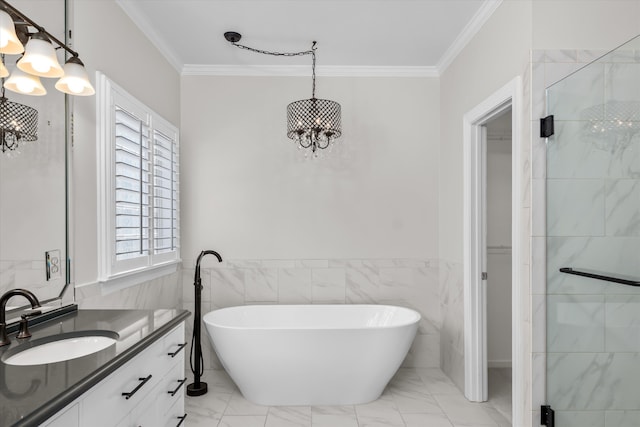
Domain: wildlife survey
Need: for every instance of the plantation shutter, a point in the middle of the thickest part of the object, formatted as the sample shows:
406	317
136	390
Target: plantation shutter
132	173
165	190
138	189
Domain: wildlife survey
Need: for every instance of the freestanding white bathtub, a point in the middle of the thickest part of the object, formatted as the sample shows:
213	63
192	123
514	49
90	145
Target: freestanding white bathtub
311	354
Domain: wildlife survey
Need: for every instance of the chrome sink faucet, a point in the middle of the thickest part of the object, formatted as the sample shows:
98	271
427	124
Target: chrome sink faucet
24	333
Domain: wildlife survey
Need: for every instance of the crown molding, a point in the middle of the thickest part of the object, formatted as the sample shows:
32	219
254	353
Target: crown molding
468	32
305	71
141	22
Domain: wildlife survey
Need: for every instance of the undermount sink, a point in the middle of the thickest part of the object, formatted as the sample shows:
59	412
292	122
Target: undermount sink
60	348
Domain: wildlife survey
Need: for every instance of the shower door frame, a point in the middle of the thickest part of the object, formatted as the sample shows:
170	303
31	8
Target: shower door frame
475	334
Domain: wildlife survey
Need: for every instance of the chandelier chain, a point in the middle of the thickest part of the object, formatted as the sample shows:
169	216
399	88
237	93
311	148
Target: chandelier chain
311	52
311	123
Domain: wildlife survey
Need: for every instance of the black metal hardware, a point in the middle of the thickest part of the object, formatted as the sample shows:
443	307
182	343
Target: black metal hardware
175	353
624	280
48	315
180	384
232	36
198	388
311	123
182	418
24	324
547	416
546	127
4	299
138	387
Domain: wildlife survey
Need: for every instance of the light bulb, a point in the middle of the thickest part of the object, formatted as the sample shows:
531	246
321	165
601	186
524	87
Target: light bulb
75	85
75	80
41	65
25	86
4	39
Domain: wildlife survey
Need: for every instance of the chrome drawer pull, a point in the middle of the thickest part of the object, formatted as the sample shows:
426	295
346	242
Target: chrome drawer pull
134	391
175	353
173	393
181	420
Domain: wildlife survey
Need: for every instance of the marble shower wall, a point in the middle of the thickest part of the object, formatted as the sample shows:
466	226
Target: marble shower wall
592	198
404	282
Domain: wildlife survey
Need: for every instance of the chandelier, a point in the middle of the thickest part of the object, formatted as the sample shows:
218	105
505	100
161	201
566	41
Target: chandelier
311	123
19	35
18	124
612	125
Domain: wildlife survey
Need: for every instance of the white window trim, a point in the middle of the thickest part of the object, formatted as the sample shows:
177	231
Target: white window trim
155	266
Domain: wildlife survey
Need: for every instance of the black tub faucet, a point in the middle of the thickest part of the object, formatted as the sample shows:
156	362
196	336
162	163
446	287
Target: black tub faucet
4	340
198	388
197	281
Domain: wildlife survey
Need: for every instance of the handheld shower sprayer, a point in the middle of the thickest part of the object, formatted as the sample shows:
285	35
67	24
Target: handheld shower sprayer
198	388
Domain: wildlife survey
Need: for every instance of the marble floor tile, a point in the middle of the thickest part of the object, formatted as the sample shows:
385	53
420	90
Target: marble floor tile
437	382
238	405
412	402
242	421
414	398
206	410
332	420
500	392
334	416
348	410
461	412
289	416
430	420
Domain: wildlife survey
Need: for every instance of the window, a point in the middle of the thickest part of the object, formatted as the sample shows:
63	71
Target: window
138	188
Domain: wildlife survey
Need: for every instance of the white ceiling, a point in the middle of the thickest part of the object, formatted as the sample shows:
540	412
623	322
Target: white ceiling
413	37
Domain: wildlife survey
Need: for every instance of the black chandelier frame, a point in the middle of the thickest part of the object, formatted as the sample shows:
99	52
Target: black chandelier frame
312	123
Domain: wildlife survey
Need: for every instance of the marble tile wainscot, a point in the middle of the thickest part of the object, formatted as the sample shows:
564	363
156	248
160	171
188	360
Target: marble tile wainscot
410	283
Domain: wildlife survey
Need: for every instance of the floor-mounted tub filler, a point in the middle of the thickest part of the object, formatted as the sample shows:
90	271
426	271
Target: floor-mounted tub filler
311	354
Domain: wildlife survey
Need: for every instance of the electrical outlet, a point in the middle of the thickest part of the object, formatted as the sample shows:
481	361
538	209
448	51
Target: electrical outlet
53	264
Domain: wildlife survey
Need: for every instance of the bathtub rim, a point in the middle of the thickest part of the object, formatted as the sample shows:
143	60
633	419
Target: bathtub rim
416	318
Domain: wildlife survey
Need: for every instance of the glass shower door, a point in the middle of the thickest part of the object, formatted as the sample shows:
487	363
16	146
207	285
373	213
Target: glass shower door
593	237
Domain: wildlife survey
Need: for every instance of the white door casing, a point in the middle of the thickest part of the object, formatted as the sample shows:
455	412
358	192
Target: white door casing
474	235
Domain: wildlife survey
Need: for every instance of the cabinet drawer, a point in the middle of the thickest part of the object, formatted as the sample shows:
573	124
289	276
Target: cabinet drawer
175	345
105	404
68	417
175	415
171	388
146	413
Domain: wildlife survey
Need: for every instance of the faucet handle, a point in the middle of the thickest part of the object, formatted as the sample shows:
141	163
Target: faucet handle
24	324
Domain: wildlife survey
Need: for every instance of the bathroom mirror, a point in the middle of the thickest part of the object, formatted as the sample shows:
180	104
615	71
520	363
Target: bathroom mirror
33	177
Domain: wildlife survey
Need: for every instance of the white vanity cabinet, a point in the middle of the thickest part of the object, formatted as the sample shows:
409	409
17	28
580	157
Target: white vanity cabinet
68	417
147	391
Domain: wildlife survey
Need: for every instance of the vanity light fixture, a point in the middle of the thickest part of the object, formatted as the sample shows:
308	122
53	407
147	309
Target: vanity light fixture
18	122
26	84
312	123
9	41
39	59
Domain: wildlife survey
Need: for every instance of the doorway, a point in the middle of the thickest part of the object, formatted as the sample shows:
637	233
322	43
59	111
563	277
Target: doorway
497	199
479	347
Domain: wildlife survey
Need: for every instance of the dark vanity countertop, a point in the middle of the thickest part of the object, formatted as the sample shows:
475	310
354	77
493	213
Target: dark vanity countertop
31	394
